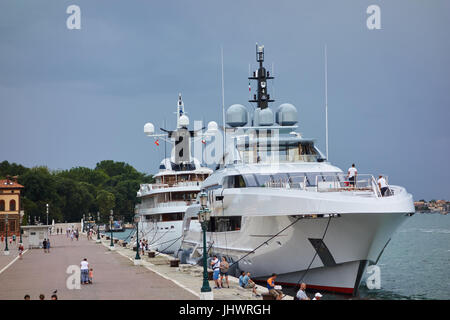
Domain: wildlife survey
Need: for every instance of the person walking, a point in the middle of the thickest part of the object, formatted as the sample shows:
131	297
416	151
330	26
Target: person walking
14	238
44	245
20	250
383	185
48	245
224	266
215	263
71	236
351	175
84	267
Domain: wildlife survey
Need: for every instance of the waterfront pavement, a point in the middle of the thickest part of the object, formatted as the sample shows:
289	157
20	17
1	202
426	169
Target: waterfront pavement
115	277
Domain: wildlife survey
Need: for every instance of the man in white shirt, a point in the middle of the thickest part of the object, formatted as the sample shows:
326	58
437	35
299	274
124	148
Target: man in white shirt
383	185
84	267
301	295
351	175
215	264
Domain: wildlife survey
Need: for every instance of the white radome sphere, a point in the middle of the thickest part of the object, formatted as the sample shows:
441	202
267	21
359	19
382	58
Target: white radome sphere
212	126
183	121
149	128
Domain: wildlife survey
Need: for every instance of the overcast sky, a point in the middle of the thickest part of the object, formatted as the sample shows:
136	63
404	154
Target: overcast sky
76	97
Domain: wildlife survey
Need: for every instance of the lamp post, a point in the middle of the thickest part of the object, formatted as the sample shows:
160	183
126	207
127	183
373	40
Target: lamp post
111	245
89	222
47	212
204	218
137	259
84	222
98	227
6	252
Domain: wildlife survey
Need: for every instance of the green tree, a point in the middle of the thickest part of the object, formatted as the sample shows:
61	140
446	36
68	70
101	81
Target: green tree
106	201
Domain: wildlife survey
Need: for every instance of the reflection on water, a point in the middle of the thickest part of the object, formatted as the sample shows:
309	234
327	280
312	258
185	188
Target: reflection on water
415	264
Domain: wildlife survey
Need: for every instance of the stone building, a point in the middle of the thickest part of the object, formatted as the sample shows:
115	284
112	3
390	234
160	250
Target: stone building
10	206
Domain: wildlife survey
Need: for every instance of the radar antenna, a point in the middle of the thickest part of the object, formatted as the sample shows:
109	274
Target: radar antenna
262	98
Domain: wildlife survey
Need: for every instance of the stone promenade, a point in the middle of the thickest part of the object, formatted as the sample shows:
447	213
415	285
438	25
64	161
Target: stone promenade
115	277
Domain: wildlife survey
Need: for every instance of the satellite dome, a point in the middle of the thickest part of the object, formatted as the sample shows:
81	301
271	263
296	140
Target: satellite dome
183	121
286	115
236	115
263	117
212	126
149	128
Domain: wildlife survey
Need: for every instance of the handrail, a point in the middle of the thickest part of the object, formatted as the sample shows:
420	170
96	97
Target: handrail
340	182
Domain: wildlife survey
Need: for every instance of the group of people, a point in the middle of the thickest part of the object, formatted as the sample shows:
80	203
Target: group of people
42	296
46	245
143	246
352	173
220	271
72	233
11	239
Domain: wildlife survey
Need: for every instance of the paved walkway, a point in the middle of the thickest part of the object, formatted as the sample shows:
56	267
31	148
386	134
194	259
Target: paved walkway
115	276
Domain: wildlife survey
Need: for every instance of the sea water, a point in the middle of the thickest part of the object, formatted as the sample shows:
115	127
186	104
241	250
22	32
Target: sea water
415	264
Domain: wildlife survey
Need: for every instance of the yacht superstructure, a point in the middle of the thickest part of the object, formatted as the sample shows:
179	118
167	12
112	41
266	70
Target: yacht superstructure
177	183
278	206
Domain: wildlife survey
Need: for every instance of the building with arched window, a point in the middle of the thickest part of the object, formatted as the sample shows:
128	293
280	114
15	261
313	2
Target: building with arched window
10	205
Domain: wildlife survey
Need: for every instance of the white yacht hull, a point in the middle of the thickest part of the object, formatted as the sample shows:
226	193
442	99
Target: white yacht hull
351	241
163	237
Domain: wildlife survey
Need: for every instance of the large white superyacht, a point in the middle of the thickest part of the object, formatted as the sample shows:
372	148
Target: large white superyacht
278	206
177	183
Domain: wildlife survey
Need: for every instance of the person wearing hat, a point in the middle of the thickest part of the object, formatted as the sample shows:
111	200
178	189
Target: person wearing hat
317	296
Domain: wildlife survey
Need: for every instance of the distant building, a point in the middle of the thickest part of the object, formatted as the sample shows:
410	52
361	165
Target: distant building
10	205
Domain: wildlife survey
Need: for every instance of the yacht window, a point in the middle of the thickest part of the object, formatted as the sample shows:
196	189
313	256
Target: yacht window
263	179
224	224
236	181
250	180
172	216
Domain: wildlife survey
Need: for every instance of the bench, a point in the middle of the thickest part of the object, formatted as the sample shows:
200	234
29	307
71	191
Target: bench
151	254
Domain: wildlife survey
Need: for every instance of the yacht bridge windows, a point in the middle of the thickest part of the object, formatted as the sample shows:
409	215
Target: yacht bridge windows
284	150
298	180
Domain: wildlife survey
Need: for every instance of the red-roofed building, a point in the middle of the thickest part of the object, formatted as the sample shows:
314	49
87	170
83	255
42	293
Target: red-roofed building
10	206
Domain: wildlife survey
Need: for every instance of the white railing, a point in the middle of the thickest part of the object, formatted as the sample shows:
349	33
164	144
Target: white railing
340	182
292	182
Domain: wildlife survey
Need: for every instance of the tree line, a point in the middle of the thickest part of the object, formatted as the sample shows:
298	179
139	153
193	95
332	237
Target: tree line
71	193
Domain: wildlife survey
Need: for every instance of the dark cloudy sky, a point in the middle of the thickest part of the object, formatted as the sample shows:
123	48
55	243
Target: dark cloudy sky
75	97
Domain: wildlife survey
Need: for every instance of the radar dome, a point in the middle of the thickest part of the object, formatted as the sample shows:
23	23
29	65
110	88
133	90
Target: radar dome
236	115
212	126
149	128
286	115
183	121
263	117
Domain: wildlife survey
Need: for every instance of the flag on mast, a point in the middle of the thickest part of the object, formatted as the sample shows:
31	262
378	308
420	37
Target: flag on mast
157	142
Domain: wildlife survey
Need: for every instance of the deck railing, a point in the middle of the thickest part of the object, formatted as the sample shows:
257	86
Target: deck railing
340	182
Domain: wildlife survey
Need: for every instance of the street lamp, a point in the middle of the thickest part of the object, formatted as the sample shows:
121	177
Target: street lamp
89	222
6	252
111	245
204	216
47	212
84	222
138	258
98	227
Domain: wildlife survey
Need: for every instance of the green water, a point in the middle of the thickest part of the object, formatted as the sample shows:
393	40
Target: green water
416	263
